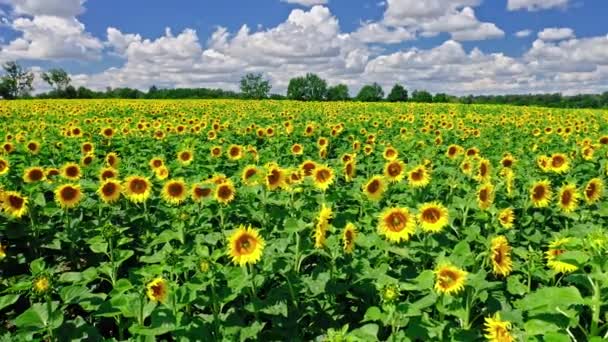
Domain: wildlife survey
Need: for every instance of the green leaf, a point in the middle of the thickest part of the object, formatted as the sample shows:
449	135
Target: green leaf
368	332
514	286
374	314
35	317
535	326
7	300
70	277
550	299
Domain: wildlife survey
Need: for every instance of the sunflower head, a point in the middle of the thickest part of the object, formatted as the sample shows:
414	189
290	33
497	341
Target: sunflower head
349	234
33	147
559	163
41	284
107	173
275	177
308	166
137	188
506	217
113	160
68	195
71	171
156	162
541	193
4	166
497	330
235	152
34	174
225	192
485	196
394	170
350	171
322	225
390	153
433	217
568	198
594	190
157	290
13	203
374	188
297	149
449	279
556	248
87	148
323	177
251	175
174	191
200	192
419	177
453	151
397	224
109	191
245	246
161	173
185	157
500	256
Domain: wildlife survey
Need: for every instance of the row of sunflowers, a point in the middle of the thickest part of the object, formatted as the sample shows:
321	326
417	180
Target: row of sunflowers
276	220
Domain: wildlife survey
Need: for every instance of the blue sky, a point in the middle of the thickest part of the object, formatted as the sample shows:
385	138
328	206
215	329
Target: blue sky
454	46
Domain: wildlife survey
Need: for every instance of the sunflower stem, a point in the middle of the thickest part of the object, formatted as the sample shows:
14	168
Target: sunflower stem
250	273
596	302
214	308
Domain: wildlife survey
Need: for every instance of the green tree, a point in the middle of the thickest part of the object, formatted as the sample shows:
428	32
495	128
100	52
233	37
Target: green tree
338	93
254	86
308	88
422	96
371	93
57	79
397	94
17	82
440	98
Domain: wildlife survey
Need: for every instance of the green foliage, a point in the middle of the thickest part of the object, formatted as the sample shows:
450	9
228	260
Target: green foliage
338	93
371	93
422	96
254	86
308	88
16	81
398	94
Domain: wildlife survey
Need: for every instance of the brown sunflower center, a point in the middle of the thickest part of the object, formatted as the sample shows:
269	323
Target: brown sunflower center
235	151
323	175
507	162
157	163
224	192
87	148
35	175
138	186
348	237
32	146
447	278
373	186
16	202
483	169
175	189
245	244
394	169
250	173
109	189
185	156
452	151
396	221
274	177
557	161
539	192
483	195
417	175
590	191
566	197
107	174
158	290
69	193
72	171
431	215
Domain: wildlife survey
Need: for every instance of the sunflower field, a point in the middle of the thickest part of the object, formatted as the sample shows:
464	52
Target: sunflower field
228	220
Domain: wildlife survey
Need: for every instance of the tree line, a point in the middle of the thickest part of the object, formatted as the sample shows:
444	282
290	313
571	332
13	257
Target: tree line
17	83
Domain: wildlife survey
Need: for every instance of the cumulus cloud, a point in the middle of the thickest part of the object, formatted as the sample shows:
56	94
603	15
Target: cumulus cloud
306	2
58	8
523	33
535	5
555	33
432	17
378	33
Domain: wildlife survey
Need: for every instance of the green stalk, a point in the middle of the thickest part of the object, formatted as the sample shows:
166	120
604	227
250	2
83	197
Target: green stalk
596	302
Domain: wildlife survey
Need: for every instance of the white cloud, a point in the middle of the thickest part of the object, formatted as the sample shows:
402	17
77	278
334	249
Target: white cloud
432	17
555	33
379	33
307	3
59	8
535	5
523	33
51	37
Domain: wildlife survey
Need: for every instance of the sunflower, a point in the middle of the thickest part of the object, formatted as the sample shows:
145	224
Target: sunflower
245	246
322	225
185	157
397	224
275	177
453	151
541	193
307	167
4	166
235	152
294	177
467	167
157	290
225	192
390	153
107	173
174	191
449	279
87	148
68	195
137	188
107	132
485	196
161	173
87	160
594	190
250	175
349	235
2	250
500	255
556	248
33	174
33	147
419	177
544	163
506	217
109	190
297	149
71	171
433	217
559	163
52	172
394	170
507	161
14	204
350	171
497	330
484	169
323	177
156	162
200	192
374	188
112	159
41	284
568	198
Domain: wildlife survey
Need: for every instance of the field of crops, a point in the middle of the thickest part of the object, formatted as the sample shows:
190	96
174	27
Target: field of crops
284	221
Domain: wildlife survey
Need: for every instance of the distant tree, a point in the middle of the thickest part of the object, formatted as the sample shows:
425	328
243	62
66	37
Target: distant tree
338	93
16	82
440	98
57	79
277	97
371	93
308	88
397	94
422	96
254	86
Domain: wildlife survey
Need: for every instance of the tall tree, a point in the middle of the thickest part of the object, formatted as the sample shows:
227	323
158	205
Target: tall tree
371	93
397	94
338	93
308	88
422	96
254	86
16	82
57	78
